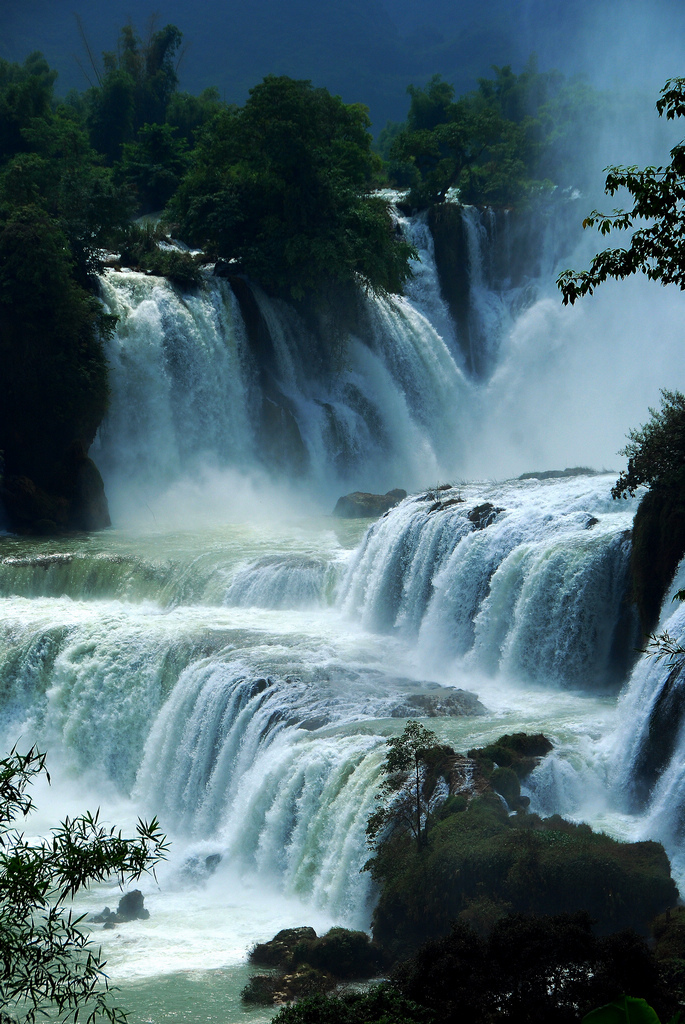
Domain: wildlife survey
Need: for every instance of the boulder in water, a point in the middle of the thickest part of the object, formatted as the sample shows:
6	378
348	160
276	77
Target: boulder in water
483	515
361	505
131	908
454	703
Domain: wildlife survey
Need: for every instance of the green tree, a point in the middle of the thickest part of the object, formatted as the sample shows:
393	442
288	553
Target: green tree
25	93
402	788
656	451
658	194
62	174
282	185
134	88
189	113
153	165
53	389
495	144
48	962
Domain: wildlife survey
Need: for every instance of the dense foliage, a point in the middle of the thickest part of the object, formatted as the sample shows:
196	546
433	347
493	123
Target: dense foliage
48	963
479	863
282	186
54	381
658	194
58	205
133	89
656	451
402	795
528	970
514	137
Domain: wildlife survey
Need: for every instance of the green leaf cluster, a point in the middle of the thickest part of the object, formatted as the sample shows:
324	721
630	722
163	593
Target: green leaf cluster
626	1010
133	89
658	197
403	802
48	962
656	451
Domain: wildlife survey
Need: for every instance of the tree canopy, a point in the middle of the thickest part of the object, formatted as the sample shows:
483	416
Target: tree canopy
282	186
656	451
658	194
403	803
499	144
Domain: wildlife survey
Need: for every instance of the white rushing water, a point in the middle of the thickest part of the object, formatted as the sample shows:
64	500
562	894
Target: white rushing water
232	659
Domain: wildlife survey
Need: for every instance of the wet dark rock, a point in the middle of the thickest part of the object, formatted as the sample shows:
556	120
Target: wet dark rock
454	703
362	505
590	522
438	505
483	515
281	440
131	908
658	546
73	499
31	509
311	964
212	862
88	503
197	869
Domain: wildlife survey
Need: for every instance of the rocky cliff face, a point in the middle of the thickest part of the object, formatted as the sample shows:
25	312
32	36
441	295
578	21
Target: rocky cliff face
72	499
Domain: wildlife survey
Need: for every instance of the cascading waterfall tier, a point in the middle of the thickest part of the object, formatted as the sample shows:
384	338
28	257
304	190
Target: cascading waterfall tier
241	683
533	590
385	400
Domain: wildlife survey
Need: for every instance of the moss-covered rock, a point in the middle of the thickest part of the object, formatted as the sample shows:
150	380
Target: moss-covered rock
361	505
278	952
311	964
345	954
482	863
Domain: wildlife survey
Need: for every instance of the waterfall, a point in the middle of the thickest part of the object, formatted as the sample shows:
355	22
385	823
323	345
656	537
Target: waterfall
182	380
381	392
233	659
533	590
648	752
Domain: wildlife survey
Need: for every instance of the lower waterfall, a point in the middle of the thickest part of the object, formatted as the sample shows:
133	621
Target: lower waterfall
240	681
233	659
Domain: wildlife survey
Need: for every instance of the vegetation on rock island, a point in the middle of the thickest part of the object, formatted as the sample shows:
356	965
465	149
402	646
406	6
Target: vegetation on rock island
485	911
477	862
48	963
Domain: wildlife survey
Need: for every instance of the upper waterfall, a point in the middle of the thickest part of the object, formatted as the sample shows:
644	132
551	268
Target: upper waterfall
376	392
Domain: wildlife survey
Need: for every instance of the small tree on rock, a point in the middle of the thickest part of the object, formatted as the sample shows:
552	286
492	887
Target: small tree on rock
402	786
